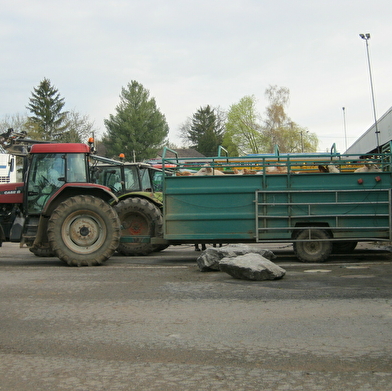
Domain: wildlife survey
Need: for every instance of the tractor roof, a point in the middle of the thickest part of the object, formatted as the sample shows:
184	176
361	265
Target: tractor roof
60	148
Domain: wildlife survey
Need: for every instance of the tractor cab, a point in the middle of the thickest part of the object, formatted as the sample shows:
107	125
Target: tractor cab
51	167
123	178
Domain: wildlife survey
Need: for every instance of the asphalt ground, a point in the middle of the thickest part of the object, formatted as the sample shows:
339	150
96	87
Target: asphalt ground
158	323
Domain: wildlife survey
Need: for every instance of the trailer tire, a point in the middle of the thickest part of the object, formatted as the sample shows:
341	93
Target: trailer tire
84	231
139	217
343	247
314	251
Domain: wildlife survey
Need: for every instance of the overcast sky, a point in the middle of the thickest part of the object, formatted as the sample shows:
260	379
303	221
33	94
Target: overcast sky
192	53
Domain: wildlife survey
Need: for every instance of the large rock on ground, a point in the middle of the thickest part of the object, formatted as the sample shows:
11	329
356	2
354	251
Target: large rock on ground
209	259
251	267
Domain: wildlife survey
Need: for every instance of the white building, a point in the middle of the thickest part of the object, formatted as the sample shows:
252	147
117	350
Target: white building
367	143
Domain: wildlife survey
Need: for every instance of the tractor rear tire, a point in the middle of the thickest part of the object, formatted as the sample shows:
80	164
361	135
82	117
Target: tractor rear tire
139	217
160	247
42	251
84	231
313	251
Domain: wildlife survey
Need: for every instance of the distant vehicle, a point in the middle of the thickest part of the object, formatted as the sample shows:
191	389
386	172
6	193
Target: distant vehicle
7	167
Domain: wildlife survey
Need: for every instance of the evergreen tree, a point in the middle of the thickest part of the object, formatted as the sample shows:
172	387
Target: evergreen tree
46	105
138	128
206	130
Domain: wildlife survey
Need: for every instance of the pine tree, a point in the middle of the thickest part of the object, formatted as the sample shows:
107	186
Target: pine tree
206	131
46	105
138	128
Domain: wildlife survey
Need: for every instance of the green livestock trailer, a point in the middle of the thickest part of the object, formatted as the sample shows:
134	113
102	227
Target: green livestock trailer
323	203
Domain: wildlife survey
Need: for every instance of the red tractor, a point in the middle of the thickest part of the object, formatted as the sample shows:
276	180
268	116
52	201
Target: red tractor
57	209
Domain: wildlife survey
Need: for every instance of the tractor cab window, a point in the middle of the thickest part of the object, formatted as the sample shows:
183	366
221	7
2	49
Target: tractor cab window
46	176
145	178
157	180
110	176
76	168
131	178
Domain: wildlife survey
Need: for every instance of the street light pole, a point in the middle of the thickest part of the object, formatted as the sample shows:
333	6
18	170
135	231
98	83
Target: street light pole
344	125
301	132
366	37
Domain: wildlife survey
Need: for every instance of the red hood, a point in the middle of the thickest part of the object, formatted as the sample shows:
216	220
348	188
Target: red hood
11	193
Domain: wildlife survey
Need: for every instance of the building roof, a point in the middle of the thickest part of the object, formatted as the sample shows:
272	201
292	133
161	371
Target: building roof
367	143
182	153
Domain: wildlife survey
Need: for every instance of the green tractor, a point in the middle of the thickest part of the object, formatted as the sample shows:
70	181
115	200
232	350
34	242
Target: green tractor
138	187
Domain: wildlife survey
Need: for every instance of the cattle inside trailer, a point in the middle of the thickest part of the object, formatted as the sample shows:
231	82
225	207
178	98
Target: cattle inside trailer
319	212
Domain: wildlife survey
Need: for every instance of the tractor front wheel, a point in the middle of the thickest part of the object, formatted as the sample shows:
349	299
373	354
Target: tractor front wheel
42	251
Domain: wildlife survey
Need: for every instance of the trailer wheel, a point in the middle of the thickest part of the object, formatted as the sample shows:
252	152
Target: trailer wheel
139	218
343	247
314	251
84	231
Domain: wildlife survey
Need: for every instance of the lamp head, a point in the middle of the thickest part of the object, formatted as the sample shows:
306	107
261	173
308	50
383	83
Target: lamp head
365	36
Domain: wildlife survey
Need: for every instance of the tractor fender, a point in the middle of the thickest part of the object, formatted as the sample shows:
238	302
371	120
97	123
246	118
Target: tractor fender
154	198
74	189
